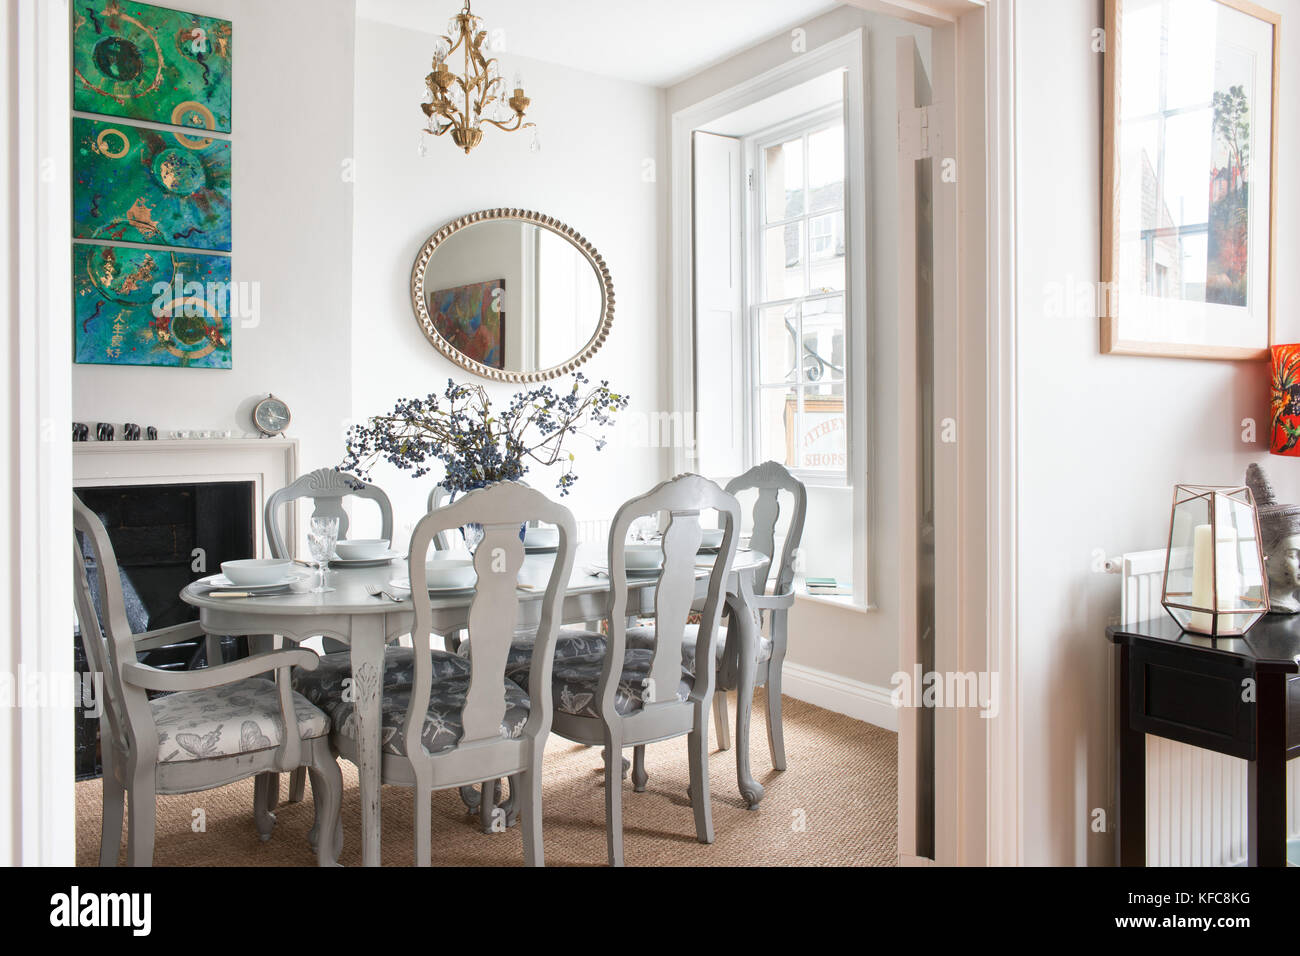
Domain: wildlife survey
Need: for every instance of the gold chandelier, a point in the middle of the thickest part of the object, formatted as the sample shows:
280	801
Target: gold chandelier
462	104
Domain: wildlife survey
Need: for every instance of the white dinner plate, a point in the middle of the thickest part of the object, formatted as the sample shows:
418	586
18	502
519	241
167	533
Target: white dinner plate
344	563
404	584
219	582
631	572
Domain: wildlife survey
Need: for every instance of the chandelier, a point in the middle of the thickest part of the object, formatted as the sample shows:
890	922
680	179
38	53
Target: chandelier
461	104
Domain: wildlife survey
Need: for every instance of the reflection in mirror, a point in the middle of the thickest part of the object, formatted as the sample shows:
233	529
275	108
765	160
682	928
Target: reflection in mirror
513	295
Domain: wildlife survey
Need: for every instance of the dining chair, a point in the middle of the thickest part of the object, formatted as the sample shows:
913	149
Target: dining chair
440	495
769	479
216	725
327	488
450	721
619	696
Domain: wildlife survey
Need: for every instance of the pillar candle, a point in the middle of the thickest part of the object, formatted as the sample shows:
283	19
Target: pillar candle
1203	570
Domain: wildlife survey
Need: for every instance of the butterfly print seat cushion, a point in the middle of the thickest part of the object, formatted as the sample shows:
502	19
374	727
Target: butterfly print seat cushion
331	688
645	637
225	721
570	643
575	679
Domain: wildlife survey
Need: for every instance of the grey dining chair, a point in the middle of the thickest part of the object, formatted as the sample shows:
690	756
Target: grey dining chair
456	641
769	479
326	488
607	693
441	495
451	721
215	726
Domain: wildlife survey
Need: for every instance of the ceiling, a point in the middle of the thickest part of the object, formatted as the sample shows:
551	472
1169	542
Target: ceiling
656	42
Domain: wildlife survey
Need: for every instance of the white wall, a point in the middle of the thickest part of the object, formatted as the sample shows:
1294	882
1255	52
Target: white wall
1103	439
292	218
862	646
599	137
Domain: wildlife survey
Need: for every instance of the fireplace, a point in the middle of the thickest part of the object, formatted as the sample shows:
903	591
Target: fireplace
174	510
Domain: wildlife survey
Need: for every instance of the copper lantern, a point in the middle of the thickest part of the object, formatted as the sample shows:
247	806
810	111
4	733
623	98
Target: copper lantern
1214	569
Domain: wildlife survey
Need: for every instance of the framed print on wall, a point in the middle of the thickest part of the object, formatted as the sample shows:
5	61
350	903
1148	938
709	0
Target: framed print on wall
1189	178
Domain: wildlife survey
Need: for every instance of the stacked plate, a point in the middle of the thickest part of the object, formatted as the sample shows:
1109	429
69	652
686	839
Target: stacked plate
218	583
710	540
362	553
639	560
447	577
543	539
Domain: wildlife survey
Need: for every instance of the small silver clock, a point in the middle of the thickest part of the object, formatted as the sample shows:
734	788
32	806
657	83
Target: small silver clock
271	416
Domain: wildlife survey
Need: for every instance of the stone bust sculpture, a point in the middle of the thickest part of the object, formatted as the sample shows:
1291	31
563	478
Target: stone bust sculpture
1279	527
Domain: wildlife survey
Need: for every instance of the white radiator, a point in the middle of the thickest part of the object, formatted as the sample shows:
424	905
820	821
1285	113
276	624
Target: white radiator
593	531
1196	800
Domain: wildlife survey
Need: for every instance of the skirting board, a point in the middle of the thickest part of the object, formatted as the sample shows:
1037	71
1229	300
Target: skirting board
843	695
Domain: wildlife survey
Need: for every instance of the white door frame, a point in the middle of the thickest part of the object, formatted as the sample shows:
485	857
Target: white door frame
37	813
1002	440
36	799
979	821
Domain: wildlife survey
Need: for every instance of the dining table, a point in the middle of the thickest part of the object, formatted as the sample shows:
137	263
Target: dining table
352	614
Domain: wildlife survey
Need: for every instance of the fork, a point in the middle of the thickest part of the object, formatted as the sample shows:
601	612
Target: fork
375	591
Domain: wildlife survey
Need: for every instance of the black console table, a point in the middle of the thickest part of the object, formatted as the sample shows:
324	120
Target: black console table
1198	690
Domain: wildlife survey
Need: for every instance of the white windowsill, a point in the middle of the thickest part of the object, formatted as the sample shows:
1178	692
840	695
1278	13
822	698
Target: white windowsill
845	601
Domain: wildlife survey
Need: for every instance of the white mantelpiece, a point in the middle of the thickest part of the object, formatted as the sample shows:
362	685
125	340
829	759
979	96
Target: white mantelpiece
269	463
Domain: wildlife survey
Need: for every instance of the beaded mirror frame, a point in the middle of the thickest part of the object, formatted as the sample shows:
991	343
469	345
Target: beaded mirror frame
419	298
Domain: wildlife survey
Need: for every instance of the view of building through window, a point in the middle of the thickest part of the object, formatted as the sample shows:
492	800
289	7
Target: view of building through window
799	315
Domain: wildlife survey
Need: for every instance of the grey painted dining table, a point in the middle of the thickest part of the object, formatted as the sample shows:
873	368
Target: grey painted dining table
351	615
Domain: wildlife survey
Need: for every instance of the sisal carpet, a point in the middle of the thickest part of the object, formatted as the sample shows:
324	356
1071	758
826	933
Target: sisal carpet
835	805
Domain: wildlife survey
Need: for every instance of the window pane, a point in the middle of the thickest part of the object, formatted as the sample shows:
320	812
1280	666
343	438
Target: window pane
823	340
783	261
826	252
823	444
783	180
826	169
777	413
778	328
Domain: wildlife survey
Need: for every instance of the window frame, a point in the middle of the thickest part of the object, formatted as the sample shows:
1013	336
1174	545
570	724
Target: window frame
754	225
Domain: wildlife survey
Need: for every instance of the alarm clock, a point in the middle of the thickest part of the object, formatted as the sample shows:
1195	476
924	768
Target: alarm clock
271	416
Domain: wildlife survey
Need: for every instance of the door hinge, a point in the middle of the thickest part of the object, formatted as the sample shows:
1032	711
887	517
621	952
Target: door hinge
749	180
918	132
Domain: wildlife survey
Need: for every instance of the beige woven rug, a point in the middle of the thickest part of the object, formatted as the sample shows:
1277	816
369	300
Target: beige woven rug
836	804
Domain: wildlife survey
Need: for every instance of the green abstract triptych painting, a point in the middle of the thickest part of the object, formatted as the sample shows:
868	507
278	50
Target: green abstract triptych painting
132	184
138	306
137	188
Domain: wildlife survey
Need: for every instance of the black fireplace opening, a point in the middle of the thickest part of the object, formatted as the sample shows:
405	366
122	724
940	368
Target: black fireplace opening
164	537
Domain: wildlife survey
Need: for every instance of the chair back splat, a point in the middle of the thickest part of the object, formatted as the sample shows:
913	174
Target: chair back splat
501	509
326	487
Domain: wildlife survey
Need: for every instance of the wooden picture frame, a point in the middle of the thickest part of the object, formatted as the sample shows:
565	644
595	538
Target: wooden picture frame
1147	307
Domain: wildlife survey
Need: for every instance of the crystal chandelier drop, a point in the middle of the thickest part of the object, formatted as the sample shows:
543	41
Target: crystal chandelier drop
462	103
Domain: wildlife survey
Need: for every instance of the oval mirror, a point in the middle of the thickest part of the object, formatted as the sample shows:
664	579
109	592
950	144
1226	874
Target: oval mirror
512	295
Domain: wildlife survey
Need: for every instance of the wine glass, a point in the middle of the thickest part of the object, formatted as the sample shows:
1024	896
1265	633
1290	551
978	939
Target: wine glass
645	529
321	538
473	535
